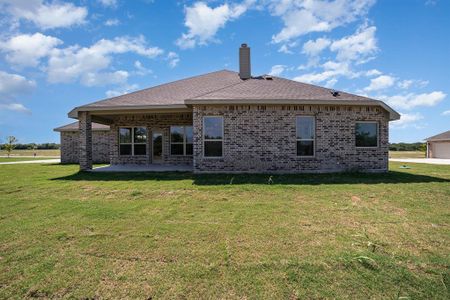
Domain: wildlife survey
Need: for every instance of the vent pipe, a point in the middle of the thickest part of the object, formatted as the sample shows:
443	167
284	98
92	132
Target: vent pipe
244	62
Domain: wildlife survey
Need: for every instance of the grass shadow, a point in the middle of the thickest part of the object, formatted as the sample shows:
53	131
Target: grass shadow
391	177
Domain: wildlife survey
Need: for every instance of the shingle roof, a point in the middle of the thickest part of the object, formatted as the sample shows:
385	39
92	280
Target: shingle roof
225	85
74	127
440	137
174	92
276	88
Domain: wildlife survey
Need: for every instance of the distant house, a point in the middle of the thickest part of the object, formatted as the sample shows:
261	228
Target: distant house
226	121
438	146
70	143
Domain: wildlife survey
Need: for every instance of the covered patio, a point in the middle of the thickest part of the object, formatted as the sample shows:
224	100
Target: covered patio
144	141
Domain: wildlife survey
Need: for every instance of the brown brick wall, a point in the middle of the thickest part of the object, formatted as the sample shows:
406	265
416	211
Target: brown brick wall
161	122
263	139
70	146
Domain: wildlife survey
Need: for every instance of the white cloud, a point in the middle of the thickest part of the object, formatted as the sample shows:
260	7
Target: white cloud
406	84
373	72
46	15
313	48
446	113
12	85
122	90
330	83
407	120
285	49
17	107
104	78
141	70
73	63
203	22
379	83
112	22
304	16
277	70
357	47
108	3
27	50
331	69
173	58
412	100
350	50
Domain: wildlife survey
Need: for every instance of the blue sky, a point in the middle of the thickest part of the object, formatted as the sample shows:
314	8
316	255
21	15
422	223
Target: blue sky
55	55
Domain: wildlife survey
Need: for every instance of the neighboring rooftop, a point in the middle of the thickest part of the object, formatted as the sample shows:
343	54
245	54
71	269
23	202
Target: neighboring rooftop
444	136
74	127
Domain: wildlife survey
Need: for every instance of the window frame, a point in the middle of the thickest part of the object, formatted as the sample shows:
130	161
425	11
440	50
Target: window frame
184	142
212	140
299	140
378	135
132	141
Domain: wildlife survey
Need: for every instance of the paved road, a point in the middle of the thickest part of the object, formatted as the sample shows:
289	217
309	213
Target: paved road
433	161
35	161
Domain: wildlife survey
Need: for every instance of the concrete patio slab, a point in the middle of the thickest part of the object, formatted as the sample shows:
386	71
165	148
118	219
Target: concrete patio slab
144	168
433	161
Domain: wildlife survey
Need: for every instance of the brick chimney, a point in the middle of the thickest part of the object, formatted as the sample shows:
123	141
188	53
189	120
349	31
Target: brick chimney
244	62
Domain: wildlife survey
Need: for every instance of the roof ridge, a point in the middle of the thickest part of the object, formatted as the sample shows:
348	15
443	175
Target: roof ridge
159	85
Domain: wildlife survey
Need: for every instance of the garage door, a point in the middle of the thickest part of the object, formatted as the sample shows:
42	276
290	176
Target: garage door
441	150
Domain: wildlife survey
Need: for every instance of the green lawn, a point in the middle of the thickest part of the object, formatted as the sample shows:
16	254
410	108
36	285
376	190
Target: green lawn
43	152
15	158
65	234
406	154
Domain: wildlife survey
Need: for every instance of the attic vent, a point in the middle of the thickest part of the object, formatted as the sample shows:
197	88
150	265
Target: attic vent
335	93
268	77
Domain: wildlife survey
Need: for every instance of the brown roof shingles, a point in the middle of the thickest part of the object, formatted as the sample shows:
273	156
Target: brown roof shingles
175	92
276	88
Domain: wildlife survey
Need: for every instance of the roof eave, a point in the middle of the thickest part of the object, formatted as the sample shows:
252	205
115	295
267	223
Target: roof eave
393	115
117	109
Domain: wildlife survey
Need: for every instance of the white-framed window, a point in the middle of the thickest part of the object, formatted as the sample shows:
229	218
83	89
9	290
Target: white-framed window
366	134
133	141
181	140
306	134
212	136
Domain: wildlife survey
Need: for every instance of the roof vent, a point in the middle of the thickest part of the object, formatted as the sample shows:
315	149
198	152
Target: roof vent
268	77
335	93
244	62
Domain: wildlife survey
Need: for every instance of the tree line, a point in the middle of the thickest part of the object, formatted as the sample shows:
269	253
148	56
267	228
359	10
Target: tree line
407	147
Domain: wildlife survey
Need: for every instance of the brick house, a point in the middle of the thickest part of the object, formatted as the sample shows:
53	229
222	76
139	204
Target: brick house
226	121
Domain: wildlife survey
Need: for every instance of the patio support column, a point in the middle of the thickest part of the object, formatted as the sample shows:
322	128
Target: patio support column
85	122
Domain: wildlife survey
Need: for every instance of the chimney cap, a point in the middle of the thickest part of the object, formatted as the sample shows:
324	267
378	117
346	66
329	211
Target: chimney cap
244	45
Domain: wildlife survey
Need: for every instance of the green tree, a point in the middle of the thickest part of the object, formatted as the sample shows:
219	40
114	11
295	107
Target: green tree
10	144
